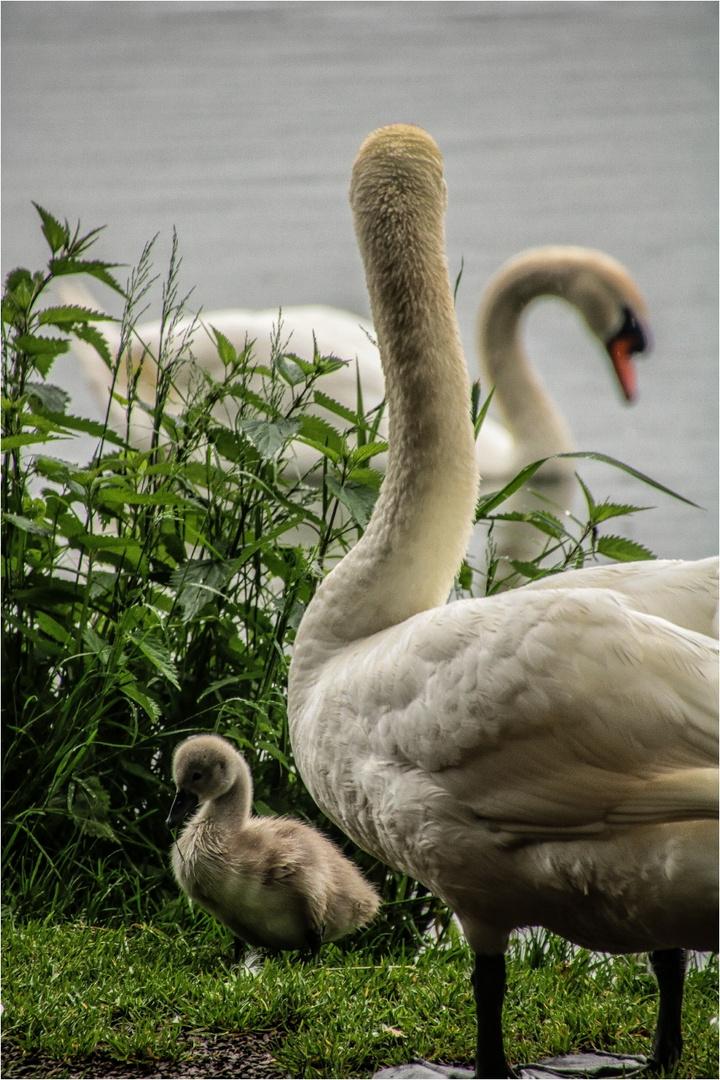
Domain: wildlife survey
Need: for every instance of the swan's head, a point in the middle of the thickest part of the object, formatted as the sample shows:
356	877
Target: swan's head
613	308
398	194
205	767
596	284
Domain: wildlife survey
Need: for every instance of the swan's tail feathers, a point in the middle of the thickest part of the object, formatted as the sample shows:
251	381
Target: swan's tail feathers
683	795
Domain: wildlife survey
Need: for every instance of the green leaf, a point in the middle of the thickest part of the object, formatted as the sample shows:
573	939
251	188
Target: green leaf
292	368
318	432
12	442
528	569
50	398
359	499
96	644
97	340
151	707
68	314
334	406
43	350
226	350
496	498
479	417
77	423
269	436
57	235
197	581
27	525
369	450
274	751
593	456
622	549
94	267
158	655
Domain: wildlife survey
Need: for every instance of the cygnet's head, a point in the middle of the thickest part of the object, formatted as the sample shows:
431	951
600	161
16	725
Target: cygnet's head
205	767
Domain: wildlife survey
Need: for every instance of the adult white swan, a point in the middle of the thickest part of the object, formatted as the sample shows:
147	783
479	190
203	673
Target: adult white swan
543	757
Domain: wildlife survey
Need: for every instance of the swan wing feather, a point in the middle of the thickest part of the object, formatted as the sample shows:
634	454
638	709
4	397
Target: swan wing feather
546	713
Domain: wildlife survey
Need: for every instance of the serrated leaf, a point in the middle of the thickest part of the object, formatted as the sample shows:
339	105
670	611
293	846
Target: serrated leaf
274	751
150	706
43	349
269	436
197	581
96	644
72	313
226	350
336	407
320	432
97	340
57	235
27	525
158	655
359	499
13	442
94	267
290	367
622	550
77	423
528	569
369	450
51	398
606	510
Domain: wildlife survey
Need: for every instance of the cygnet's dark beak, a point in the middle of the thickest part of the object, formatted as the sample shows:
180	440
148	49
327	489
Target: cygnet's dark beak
184	804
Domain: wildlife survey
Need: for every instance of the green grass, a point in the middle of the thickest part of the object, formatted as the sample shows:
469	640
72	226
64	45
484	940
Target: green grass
136	993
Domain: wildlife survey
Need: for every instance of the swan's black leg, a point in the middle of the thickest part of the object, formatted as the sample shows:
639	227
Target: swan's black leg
314	939
238	949
669	968
488	981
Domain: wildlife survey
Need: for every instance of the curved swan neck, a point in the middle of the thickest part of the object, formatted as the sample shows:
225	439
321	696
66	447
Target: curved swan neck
418	534
534	421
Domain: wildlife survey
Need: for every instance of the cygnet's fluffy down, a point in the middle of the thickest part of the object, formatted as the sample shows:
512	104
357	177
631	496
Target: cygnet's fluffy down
274	882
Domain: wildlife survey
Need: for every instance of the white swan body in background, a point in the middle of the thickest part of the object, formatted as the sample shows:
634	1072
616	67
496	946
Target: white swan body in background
597	285
275	882
546	756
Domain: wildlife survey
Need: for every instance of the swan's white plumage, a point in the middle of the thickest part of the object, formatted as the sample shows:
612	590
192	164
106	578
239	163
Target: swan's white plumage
547	756
501	451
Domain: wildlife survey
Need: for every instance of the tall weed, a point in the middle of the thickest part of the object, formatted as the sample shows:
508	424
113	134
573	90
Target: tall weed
156	592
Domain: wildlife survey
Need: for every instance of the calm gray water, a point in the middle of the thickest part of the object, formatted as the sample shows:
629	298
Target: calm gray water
592	123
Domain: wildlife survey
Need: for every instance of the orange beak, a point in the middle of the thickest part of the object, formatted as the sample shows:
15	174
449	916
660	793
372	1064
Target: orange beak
630	339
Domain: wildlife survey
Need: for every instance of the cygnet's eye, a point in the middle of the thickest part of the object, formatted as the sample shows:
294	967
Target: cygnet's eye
196	776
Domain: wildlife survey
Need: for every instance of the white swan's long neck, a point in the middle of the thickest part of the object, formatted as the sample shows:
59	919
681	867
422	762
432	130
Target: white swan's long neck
529	413
413	546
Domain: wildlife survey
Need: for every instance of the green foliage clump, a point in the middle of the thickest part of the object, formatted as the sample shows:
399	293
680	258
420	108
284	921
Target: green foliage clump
156	591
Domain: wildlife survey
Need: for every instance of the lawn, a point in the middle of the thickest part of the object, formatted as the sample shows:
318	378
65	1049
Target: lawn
77	994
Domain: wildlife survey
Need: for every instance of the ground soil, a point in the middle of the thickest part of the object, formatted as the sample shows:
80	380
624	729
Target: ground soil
211	1056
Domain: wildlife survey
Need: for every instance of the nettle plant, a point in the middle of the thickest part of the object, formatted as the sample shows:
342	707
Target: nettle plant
156	591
